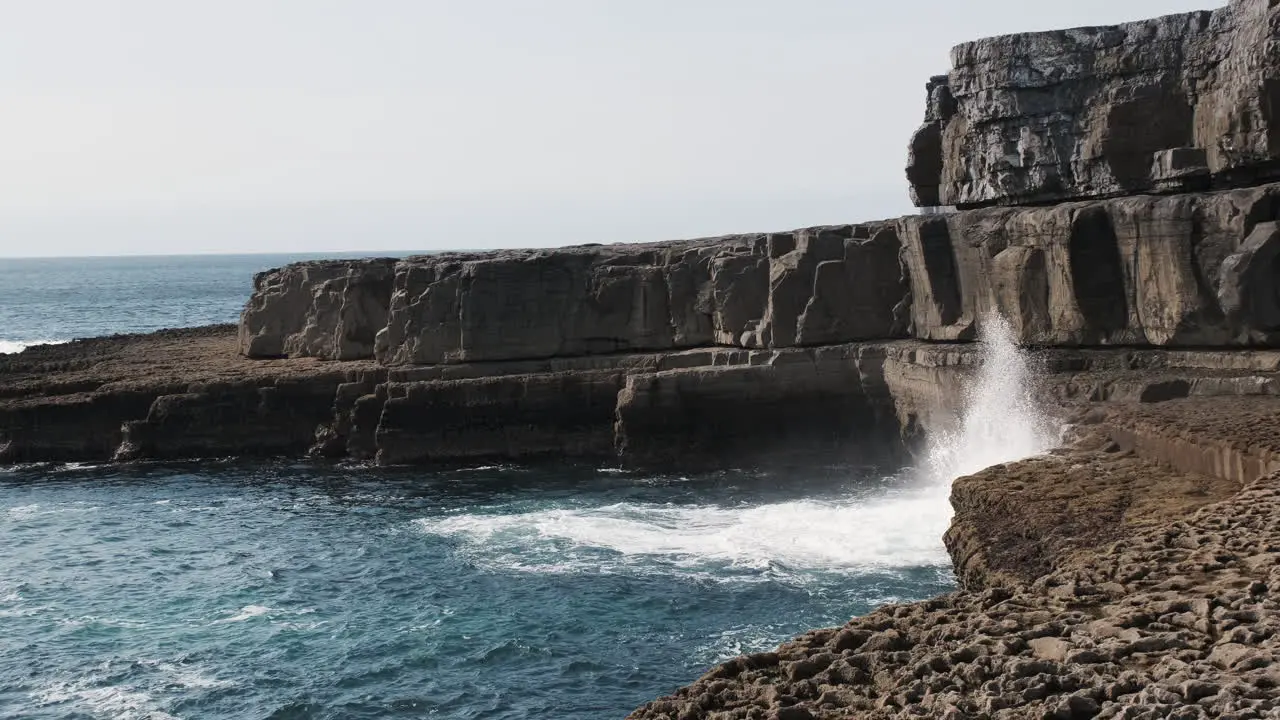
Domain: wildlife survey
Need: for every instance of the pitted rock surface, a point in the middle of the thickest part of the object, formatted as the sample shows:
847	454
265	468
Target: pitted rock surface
1176	620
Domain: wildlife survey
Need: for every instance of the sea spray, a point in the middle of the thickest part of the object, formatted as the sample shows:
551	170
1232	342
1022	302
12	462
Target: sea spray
12	347
792	541
898	524
1001	420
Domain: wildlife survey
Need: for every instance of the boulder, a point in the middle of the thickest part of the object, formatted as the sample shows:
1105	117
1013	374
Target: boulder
1247	288
1173	104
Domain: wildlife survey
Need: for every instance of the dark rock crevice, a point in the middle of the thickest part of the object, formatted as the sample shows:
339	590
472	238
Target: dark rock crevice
1098	273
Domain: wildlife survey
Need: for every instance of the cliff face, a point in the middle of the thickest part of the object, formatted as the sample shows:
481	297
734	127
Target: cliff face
817	286
185	394
1194	269
738	345
1176	103
329	309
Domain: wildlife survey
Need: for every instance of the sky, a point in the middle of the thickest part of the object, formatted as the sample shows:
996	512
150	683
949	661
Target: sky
162	127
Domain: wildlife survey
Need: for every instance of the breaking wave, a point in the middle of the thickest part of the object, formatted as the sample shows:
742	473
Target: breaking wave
761	541
9	347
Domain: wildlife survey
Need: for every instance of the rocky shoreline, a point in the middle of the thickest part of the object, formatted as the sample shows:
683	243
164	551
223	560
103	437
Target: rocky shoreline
1096	582
1112	192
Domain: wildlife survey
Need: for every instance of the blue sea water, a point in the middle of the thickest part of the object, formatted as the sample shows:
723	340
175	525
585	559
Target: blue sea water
295	590
44	299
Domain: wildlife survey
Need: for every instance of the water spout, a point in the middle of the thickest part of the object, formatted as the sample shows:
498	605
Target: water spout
1001	420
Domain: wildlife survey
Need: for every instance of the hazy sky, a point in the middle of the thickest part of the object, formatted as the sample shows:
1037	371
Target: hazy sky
173	126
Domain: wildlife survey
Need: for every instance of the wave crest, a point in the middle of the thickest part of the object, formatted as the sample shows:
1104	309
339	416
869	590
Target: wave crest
802	536
11	347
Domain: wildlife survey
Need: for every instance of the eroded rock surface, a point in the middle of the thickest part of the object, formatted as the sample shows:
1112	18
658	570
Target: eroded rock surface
189	394
816	286
328	309
1171	104
1195	269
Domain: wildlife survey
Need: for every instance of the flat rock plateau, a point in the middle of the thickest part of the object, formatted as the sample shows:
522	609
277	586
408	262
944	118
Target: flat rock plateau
1111	192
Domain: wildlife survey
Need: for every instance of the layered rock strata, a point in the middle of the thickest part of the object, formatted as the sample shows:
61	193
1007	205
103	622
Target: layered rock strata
1177	103
1189	270
697	351
1183	270
188	393
816	286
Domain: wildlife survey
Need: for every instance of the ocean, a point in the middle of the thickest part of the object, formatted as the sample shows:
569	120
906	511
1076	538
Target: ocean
301	590
58	299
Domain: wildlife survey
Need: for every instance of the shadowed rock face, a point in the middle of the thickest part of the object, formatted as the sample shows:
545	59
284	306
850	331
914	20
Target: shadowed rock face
1192	269
1176	103
1189	269
816	286
329	309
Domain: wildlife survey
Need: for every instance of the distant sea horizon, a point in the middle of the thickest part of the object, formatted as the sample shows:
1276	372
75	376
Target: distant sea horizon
300	255
57	299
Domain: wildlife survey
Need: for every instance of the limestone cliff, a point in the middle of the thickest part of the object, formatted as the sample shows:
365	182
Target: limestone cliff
1177	103
1192	269
816	286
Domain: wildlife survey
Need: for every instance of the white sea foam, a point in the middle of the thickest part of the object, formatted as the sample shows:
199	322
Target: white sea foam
26	512
97	621
10	592
186	676
897	528
801	535
22	512
102	694
246	612
118	702
737	641
17	346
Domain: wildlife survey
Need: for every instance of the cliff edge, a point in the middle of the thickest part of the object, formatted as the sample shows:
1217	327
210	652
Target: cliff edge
1177	103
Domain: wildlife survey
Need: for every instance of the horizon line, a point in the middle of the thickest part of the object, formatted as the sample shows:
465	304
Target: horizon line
218	253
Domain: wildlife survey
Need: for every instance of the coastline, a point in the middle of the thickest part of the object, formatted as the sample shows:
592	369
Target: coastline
1152	502
1129	573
